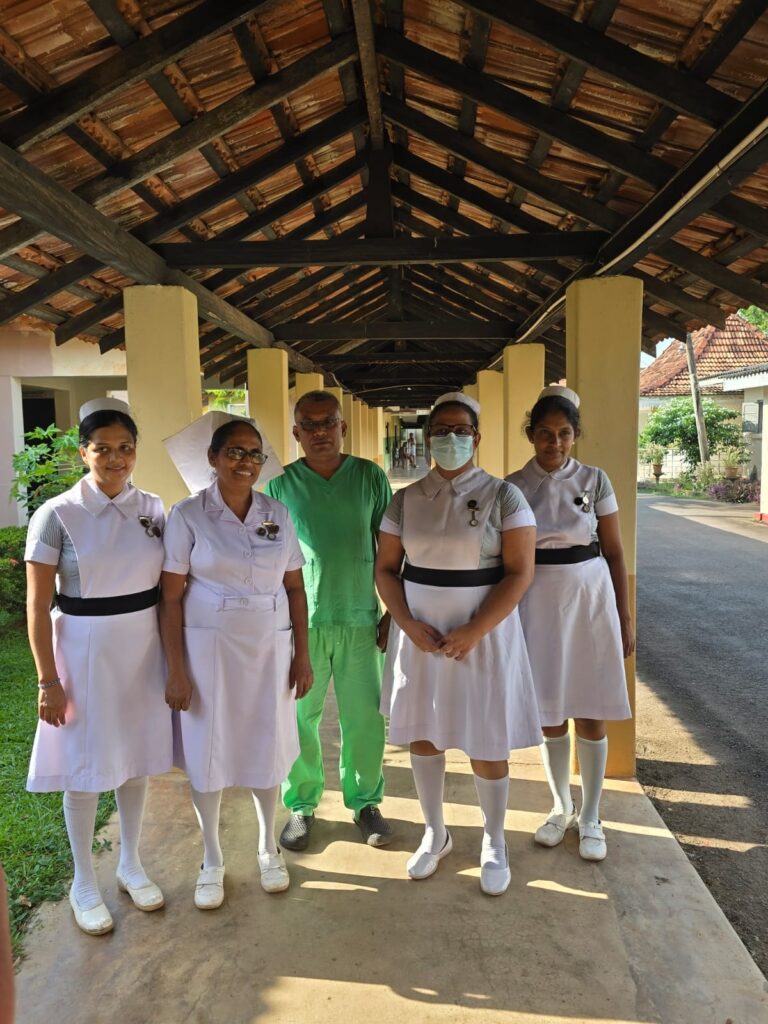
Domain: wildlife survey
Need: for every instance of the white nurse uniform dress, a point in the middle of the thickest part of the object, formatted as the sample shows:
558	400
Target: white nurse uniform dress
240	729
569	613
484	704
111	666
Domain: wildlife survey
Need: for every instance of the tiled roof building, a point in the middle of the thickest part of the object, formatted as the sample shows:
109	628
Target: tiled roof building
738	344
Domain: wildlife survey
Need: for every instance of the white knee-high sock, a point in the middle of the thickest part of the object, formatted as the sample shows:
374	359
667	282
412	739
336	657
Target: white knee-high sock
429	776
593	755
265	801
80	818
493	795
131	798
556	755
208	808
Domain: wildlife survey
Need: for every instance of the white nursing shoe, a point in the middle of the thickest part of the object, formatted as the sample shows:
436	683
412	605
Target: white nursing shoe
147	897
495	878
592	844
97	921
274	873
552	832
209	888
423	863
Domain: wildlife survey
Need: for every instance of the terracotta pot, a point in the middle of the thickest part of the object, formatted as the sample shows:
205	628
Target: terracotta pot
656	468
731	472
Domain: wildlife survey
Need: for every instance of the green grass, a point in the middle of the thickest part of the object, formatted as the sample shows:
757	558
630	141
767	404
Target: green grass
33	842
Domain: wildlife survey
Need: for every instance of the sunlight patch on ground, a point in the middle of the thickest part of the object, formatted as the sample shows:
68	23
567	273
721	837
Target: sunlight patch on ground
549	886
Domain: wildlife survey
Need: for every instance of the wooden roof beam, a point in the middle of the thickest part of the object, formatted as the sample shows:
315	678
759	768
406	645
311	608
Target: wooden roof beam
390	330
382	251
667	85
366	45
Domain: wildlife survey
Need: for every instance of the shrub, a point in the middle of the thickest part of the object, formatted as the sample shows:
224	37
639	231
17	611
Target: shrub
47	467
13	576
739	492
674	426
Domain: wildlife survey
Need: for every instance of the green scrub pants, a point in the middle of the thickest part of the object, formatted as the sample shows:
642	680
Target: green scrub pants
350	655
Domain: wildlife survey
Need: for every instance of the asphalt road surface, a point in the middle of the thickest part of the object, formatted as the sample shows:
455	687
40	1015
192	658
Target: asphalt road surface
702	664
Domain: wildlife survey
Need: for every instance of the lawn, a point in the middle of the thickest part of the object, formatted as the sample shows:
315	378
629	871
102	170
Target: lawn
33	841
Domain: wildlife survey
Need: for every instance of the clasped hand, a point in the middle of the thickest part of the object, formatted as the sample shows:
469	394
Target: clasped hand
178	692
456	644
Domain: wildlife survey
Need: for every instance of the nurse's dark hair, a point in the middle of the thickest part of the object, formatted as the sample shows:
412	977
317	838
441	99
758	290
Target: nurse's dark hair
106	418
452	405
223	433
550	404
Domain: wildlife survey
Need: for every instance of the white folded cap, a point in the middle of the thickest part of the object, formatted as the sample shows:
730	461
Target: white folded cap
99	404
560	391
189	450
458	396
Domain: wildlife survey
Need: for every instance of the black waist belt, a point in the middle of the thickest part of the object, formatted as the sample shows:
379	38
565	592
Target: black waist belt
108	605
453	577
567	556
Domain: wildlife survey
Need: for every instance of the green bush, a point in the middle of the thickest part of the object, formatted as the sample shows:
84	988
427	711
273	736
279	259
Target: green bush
47	467
673	425
13	576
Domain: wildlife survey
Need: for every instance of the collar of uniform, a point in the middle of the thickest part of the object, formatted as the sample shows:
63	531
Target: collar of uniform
536	475
94	500
214	505
433	483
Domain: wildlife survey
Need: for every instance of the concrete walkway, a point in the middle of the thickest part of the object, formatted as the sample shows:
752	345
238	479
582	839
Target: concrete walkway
638	938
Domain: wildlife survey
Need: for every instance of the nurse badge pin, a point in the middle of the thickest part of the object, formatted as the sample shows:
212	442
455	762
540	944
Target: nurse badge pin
268	529
584	501
472	506
150	526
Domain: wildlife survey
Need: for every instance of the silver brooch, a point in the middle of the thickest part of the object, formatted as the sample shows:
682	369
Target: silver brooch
472	506
150	526
268	529
584	501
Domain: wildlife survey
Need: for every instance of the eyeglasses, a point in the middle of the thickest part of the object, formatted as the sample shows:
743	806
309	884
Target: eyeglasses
459	429
239	454
319	426
150	526
268	529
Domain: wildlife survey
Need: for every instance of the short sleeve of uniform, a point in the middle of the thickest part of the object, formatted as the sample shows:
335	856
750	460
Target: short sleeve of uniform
605	499
515	510
45	537
179	541
392	521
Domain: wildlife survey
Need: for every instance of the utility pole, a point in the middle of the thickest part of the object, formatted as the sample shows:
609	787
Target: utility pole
701	429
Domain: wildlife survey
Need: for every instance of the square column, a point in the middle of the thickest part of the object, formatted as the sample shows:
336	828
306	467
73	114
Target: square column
490	395
268	397
348	415
379	435
11	441
358	433
523	380
603	330
162	353
305	382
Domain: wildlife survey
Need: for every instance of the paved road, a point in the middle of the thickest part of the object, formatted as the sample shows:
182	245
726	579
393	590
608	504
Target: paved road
703	699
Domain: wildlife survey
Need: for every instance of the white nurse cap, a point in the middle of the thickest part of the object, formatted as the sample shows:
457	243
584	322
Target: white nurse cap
100	404
189	449
559	391
458	396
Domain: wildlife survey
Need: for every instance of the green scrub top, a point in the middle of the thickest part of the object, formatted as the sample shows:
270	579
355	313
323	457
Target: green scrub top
336	521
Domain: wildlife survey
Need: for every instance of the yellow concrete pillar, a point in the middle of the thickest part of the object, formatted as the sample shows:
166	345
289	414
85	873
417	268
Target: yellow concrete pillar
365	431
348	415
162	353
490	395
523	380
268	397
308	382
472	390
379	435
603	329
358	440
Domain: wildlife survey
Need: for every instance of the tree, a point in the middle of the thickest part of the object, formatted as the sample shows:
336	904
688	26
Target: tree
674	426
46	468
755	315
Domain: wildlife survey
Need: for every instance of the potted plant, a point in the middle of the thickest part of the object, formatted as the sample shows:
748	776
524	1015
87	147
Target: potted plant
653	454
732	459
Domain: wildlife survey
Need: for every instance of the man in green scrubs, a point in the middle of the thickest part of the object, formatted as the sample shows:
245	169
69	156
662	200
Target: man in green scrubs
336	502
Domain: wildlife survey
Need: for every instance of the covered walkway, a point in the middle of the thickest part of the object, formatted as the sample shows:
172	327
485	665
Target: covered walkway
638	938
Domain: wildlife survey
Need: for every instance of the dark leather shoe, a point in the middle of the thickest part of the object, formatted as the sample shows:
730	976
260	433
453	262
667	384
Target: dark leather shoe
295	834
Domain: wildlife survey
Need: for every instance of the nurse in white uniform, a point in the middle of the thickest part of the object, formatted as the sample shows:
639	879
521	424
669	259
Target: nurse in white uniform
576	616
456	672
97	550
234	624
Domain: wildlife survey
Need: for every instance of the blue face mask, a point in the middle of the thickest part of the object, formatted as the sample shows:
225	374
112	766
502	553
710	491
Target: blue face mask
452	452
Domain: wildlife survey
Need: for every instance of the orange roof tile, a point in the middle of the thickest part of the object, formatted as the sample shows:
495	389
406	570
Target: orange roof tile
739	344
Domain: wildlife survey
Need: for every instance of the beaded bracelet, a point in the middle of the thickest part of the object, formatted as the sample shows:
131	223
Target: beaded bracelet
47	685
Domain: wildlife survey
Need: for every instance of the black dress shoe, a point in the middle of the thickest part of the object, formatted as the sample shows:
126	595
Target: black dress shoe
295	834
375	828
